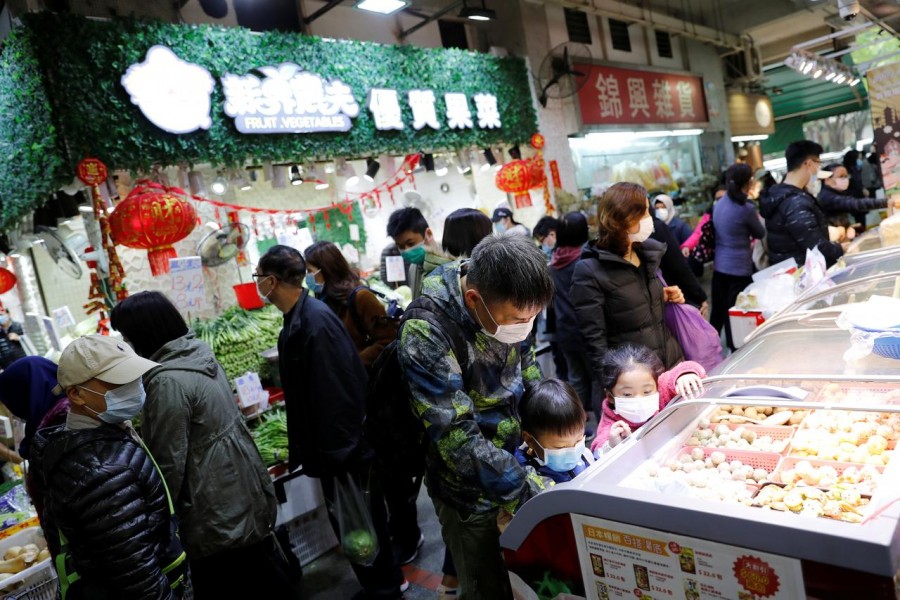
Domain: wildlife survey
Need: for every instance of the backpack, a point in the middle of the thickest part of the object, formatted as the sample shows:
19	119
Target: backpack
392	309
705	250
395	433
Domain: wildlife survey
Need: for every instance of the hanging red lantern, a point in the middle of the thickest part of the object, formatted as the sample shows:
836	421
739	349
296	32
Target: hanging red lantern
515	178
153	218
7	280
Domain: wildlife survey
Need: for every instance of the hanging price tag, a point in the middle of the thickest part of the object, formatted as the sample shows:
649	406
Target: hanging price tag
354	232
394	268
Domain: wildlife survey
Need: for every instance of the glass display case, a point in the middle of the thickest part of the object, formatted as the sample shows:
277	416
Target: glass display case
865	242
853	290
766	487
851	259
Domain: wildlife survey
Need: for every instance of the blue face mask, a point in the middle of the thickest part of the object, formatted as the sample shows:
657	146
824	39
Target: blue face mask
548	251
314	286
500	228
563	460
4	319
123	403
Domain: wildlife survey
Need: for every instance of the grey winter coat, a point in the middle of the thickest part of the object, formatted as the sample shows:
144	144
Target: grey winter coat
222	492
618	303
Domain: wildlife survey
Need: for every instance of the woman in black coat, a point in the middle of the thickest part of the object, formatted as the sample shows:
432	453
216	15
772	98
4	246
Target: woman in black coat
617	295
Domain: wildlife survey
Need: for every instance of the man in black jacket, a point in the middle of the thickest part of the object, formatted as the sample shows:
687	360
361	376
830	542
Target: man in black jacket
10	339
105	504
325	386
794	221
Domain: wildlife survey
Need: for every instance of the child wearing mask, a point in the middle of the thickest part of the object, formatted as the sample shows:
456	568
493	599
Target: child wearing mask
637	387
553	429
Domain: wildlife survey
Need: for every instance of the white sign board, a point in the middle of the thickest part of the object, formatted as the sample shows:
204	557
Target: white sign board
187	283
394	267
63	318
624	561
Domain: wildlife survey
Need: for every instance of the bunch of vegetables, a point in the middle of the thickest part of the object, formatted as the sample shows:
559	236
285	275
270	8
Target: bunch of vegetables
237	337
271	437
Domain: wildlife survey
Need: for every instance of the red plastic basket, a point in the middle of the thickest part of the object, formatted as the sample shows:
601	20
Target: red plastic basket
758	460
248	296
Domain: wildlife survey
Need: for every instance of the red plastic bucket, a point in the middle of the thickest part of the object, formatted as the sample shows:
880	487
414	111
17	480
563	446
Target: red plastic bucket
247	296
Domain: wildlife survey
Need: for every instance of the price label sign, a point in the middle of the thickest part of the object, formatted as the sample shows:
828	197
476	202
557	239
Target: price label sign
188	293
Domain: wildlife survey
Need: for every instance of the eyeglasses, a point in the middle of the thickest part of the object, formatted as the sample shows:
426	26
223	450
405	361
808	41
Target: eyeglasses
263	275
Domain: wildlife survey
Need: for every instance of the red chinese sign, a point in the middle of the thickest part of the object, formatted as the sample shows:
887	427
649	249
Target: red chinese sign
756	576
614	96
91	171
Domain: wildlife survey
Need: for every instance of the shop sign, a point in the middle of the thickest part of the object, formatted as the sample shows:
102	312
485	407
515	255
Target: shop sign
884	98
750	114
616	96
624	561
172	93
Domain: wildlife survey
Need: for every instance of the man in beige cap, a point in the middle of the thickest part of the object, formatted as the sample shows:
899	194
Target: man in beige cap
106	516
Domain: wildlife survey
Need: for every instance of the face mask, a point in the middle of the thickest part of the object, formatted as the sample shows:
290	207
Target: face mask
841	184
644	232
548	250
314	286
637	410
415	255
264	297
123	403
4	319
814	186
859	163
500	228
662	214
562	460
508	334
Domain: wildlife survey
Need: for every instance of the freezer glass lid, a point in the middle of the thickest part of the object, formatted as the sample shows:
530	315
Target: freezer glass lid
852	259
804	350
858	290
889	263
869	240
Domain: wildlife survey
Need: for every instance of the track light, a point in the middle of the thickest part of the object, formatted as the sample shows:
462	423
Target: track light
490	161
428	162
463	162
815	66
296	179
322	185
440	167
515	153
219	185
372	167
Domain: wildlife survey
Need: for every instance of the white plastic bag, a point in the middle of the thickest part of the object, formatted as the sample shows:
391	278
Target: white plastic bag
814	269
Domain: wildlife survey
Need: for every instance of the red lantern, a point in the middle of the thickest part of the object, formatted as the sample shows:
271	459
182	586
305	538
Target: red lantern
153	218
7	280
515	178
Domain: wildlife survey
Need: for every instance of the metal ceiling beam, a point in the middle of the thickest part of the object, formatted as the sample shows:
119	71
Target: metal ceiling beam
655	20
331	4
447	9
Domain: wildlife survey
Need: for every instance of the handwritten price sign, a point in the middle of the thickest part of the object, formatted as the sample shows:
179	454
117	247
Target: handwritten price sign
187	283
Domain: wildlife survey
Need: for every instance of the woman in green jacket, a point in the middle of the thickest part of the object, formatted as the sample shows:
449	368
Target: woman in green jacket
191	423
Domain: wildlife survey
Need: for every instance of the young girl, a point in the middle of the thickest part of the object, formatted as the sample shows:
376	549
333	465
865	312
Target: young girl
637	388
553	428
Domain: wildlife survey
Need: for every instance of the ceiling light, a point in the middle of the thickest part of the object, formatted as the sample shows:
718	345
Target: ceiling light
515	153
854	81
382	7
440	167
808	67
840	78
830	75
219	186
329	168
296	179
428	161
749	138
372	167
463	162
322	185
477	14
818	72
352	180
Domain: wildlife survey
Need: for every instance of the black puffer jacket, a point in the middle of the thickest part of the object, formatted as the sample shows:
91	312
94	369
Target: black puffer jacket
836	204
618	303
795	223
102	491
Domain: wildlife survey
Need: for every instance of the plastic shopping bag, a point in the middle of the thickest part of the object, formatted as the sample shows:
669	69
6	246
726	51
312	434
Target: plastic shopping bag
357	532
699	341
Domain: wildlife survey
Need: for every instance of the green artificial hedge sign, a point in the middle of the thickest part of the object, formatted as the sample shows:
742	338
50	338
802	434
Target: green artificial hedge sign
61	99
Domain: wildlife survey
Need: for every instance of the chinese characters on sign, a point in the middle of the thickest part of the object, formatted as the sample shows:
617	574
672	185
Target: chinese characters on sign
615	96
624	561
290	100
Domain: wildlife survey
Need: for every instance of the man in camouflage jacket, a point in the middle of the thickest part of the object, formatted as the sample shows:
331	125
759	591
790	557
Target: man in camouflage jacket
469	406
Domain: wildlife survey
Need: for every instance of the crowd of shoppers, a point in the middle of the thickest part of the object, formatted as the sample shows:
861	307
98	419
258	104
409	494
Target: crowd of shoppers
190	499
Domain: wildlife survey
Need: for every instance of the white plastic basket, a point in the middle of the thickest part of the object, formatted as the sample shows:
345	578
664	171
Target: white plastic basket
40	585
311	535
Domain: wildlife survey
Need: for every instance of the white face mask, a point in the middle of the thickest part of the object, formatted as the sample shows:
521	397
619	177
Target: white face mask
644	232
508	334
637	410
662	214
841	183
814	186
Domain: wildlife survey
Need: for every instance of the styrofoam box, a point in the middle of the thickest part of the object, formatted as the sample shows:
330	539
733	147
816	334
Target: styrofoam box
304	494
743	322
32	535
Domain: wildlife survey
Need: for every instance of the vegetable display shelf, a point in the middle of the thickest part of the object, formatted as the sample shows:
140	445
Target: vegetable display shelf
618	531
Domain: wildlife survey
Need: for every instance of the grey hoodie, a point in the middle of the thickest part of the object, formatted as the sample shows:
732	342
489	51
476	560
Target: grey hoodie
222	492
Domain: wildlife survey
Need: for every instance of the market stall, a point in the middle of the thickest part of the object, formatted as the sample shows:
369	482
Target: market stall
705	502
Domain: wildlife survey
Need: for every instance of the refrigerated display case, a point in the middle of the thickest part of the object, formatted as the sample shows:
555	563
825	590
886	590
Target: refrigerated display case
851	259
865	242
796	527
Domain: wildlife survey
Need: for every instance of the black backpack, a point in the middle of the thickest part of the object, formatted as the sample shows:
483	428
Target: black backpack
396	434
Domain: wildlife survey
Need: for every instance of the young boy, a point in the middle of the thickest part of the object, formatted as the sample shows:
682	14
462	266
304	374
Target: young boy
107	515
415	241
553	429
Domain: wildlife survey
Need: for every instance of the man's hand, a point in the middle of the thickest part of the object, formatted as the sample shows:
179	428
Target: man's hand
13	337
689	386
618	432
503	519
673	294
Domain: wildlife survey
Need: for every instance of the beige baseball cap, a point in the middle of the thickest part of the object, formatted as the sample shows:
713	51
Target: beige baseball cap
99	357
